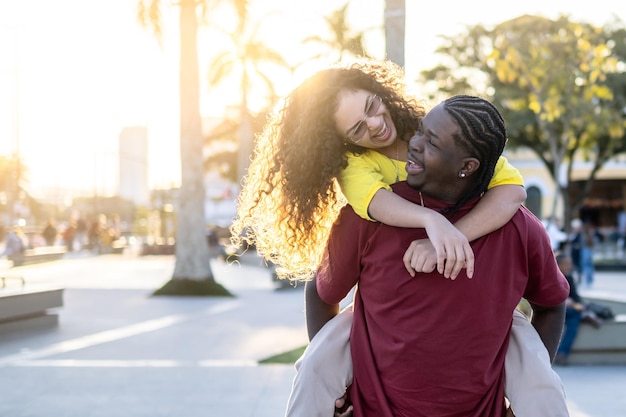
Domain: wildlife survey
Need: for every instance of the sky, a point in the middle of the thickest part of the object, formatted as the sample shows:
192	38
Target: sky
74	73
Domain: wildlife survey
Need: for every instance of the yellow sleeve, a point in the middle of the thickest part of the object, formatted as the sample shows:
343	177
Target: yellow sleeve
505	173
364	176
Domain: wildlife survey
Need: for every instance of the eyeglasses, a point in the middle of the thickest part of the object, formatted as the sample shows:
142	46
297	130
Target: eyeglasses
371	108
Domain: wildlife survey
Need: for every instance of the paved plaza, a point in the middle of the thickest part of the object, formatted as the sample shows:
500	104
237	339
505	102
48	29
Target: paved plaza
119	352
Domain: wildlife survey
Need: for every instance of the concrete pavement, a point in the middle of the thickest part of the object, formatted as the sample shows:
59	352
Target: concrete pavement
119	352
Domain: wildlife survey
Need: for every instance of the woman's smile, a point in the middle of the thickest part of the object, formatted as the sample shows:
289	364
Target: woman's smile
383	134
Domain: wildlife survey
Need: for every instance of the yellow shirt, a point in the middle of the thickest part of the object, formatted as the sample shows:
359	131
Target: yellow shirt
369	172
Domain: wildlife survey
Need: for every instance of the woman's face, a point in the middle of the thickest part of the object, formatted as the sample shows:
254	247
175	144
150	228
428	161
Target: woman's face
435	160
362	118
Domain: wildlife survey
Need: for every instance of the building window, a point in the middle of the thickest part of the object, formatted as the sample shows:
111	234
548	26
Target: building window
533	201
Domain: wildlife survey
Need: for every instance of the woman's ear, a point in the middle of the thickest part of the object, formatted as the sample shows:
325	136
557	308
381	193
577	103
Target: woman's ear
470	165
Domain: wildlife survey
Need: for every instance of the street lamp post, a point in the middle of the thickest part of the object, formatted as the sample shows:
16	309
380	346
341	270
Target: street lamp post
16	136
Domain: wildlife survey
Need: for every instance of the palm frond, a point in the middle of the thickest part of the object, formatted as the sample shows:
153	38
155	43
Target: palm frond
149	16
221	68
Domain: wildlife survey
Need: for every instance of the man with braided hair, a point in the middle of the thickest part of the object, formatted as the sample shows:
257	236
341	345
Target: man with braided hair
423	346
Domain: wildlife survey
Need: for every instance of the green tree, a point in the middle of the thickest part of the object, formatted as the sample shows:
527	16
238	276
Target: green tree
245	61
550	80
192	272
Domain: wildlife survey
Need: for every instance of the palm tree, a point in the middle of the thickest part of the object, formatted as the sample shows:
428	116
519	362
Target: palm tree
192	272
342	40
244	61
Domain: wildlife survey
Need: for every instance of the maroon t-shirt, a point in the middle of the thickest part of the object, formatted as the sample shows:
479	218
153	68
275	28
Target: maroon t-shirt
431	346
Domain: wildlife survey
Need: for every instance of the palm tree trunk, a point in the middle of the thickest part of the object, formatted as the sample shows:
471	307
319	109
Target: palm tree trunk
395	11
192	250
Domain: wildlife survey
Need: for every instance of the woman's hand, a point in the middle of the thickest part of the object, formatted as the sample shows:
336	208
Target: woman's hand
421	256
453	251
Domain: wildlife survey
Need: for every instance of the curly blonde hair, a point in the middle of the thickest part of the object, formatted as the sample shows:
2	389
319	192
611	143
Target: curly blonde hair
291	197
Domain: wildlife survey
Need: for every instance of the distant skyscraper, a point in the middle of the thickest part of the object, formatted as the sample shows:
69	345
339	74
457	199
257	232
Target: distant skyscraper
133	154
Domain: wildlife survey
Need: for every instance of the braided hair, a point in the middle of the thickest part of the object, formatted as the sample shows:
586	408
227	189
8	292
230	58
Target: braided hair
483	135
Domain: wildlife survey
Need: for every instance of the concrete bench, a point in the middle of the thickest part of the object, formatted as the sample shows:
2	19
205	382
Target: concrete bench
8	275
38	255
605	345
29	306
615	302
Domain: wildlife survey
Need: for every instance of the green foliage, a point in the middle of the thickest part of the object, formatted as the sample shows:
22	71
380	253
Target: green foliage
559	85
288	357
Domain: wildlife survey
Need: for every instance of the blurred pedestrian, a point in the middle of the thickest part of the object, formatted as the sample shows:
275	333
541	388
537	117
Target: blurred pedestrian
586	254
15	246
576	311
69	234
14	242
558	238
575	248
81	233
50	232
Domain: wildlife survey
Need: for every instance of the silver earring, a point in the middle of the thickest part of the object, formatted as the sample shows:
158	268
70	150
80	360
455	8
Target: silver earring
461	174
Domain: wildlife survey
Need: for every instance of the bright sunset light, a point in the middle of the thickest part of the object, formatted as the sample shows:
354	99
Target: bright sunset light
74	73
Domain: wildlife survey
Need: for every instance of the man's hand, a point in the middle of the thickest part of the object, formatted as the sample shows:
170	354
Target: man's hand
343	408
420	257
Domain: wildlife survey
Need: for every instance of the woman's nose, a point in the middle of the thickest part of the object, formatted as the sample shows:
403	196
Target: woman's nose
373	122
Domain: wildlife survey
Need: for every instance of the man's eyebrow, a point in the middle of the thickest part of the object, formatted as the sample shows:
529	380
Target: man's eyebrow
430	132
433	134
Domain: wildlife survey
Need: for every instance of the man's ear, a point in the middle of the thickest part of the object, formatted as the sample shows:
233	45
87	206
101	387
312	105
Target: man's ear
470	165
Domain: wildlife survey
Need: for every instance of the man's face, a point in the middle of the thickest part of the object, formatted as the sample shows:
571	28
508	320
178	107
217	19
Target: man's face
434	160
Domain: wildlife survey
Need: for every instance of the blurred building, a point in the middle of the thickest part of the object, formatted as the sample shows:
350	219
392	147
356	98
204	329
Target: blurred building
604	202
133	165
